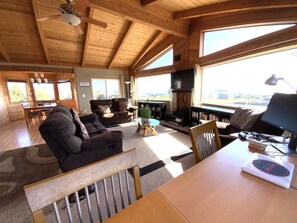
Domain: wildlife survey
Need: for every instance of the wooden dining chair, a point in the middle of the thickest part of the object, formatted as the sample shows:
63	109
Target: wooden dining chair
205	140
114	190
33	116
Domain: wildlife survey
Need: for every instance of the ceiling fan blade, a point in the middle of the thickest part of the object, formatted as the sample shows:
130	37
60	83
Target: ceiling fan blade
48	18
95	22
81	5
78	29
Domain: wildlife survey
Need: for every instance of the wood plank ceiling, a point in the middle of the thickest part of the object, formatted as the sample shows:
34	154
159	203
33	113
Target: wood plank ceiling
133	28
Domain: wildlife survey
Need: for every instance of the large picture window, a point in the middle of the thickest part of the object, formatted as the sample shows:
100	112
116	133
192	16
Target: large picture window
154	87
44	91
64	88
105	88
242	82
17	90
222	39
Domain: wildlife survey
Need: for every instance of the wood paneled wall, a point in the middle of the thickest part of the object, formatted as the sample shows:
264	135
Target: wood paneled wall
13	111
3	105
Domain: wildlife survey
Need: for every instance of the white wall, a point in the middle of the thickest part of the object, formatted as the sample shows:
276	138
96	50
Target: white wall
84	94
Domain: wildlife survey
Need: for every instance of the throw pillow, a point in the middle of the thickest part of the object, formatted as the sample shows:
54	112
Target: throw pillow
123	106
81	130
105	109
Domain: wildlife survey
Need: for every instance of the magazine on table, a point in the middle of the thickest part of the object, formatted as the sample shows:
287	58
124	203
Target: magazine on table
275	171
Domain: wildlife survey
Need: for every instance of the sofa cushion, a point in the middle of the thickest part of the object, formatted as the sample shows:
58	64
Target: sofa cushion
58	127
81	130
92	124
110	115
244	118
123	106
105	109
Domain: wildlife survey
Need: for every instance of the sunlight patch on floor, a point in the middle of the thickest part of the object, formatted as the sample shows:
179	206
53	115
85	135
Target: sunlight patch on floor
175	169
165	144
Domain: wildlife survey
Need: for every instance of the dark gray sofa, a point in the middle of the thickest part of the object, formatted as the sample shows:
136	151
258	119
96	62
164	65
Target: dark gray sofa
62	135
113	111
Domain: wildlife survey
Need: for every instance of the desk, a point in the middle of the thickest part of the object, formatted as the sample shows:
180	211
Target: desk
36	108
216	190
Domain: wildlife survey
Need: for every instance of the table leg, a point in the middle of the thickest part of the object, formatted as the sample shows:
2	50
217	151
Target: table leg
145	131
154	131
26	118
138	128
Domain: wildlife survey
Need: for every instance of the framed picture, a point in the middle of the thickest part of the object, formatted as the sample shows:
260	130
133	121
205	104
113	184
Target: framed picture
84	84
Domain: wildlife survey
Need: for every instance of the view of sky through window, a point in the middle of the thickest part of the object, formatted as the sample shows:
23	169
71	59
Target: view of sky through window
242	82
222	39
164	60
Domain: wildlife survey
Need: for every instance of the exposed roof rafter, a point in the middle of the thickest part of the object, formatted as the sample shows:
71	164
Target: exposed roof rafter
4	52
147	2
87	39
121	40
233	6
135	12
41	34
145	48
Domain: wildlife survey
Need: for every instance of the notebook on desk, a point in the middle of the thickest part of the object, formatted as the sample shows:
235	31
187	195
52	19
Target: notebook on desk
275	171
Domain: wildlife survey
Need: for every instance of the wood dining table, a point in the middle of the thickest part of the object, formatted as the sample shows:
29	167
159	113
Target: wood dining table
217	190
29	109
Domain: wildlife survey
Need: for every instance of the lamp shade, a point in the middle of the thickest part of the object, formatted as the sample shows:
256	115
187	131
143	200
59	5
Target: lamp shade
273	80
71	19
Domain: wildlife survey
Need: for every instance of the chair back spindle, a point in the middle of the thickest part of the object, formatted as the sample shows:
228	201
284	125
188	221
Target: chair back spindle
205	140
111	192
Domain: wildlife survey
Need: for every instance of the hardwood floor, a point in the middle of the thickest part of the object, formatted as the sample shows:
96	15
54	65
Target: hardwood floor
16	135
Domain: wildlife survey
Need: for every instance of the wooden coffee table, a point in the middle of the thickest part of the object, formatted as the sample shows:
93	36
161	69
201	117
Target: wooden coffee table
148	125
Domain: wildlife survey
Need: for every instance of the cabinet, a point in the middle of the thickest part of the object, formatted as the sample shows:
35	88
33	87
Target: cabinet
209	113
158	108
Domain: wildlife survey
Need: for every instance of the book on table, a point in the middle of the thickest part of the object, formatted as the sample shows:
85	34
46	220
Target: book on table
275	171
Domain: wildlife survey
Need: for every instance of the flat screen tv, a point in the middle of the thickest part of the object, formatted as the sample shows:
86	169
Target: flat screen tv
282	112
183	79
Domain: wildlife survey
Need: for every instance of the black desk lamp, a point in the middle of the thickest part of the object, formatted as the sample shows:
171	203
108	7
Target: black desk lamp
273	81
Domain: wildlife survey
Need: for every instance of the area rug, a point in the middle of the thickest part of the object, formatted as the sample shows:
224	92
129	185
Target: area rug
160	159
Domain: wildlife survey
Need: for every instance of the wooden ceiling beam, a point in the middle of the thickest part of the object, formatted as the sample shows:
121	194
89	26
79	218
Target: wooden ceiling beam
147	2
145	48
154	53
260	17
233	6
4	52
87	40
35	68
127	29
269	42
132	11
41	34
155	71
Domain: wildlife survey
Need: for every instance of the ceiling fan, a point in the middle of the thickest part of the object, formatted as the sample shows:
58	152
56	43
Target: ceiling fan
69	13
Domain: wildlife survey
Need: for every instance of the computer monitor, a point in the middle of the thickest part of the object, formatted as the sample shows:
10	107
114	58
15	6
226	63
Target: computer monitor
282	112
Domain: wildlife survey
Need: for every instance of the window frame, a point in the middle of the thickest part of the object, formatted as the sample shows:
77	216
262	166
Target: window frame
71	91
17	81
54	89
253	54
149	76
106	92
